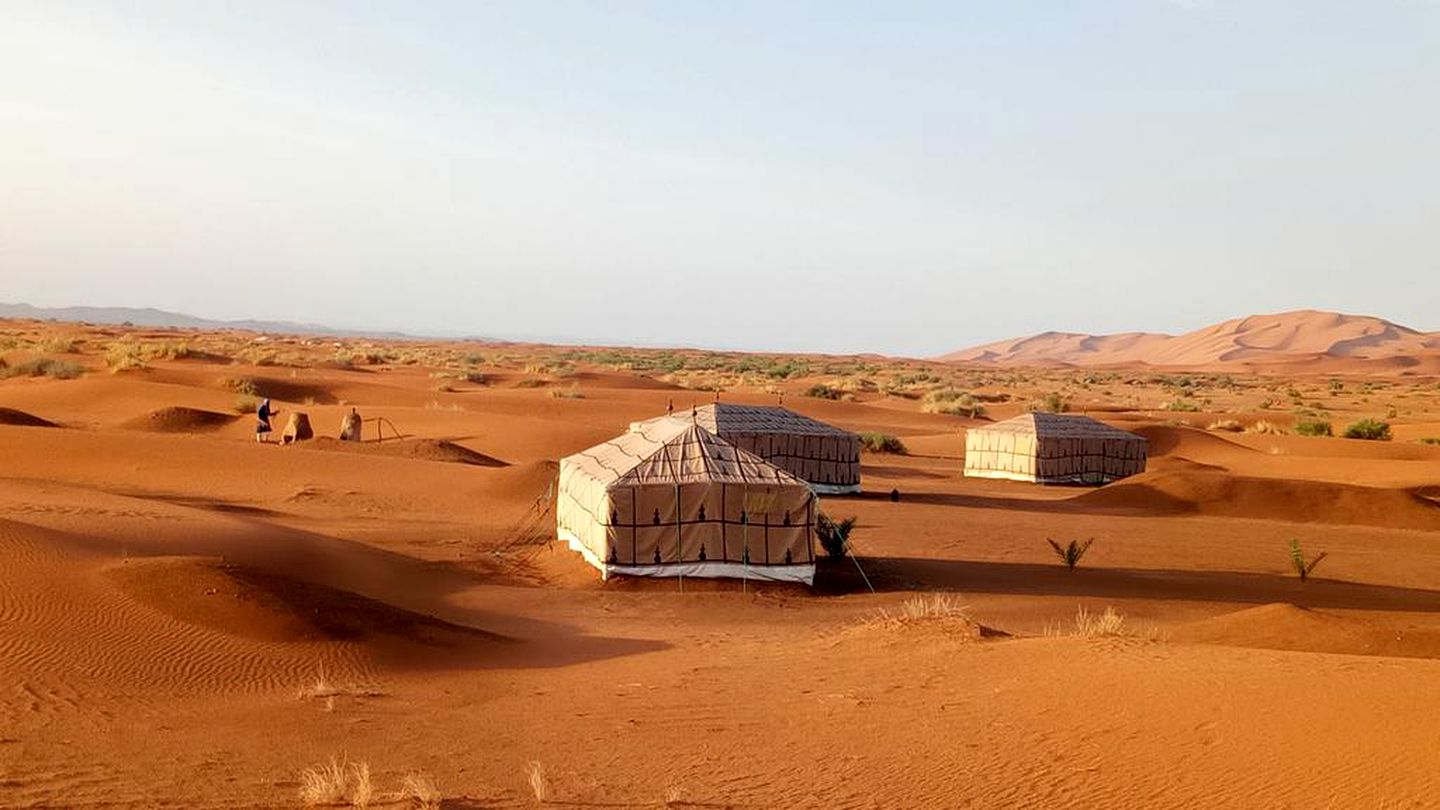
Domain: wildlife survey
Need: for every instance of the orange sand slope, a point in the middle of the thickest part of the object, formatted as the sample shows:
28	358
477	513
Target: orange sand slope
1323	341
190	619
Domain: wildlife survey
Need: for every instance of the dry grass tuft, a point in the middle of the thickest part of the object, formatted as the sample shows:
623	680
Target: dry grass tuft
325	784
361	790
420	791
337	782
938	609
1266	427
539	785
937	606
1230	425
323	687
1110	624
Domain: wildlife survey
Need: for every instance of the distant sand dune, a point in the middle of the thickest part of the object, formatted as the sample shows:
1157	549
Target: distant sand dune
1309	339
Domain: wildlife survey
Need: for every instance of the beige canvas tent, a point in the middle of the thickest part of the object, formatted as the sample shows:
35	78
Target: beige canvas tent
670	498
1053	448
823	455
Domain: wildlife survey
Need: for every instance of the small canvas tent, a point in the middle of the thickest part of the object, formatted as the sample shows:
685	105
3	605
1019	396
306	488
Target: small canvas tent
670	498
1053	448
823	455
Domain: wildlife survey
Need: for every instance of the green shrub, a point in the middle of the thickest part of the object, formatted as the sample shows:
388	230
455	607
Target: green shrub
823	391
246	403
1369	429
43	367
1184	405
1430	440
1070	554
834	537
1313	428
882	443
1299	563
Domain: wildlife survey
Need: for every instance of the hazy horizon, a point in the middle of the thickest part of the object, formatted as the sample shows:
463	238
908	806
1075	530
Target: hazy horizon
805	177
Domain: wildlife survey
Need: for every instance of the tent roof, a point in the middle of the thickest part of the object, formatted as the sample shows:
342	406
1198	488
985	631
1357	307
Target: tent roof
724	417
1060	425
675	451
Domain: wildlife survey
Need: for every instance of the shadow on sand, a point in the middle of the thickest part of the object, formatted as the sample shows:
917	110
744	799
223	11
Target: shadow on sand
892	574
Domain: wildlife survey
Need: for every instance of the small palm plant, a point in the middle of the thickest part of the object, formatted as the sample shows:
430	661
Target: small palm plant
834	535
1298	562
1071	554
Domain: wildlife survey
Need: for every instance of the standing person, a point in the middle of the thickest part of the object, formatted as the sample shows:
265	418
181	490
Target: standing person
263	414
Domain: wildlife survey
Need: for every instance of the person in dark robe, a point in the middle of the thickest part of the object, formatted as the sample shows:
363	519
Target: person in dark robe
262	416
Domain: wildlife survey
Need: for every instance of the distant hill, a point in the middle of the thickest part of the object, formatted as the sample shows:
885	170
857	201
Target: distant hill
159	317
1304	339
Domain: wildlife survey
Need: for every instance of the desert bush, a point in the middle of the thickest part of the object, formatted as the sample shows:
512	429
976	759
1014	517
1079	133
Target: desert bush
245	403
882	443
823	391
567	393
1053	402
952	401
1430	440
240	385
530	382
1183	405
167	350
1369	429
1231	425
1300	564
58	345
43	367
124	355
1266	427
834	535
1070	554
1313	427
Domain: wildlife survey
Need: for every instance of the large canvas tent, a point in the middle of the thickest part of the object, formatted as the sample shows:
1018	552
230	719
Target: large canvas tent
1053	448
670	498
823	455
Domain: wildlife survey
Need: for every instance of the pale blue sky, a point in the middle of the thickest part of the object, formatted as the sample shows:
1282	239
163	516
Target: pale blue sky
904	178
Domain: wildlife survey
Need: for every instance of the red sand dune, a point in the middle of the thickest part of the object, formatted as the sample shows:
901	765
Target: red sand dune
1287	627
1324	340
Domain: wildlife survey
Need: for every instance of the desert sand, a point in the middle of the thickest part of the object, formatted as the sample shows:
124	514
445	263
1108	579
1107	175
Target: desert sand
191	619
